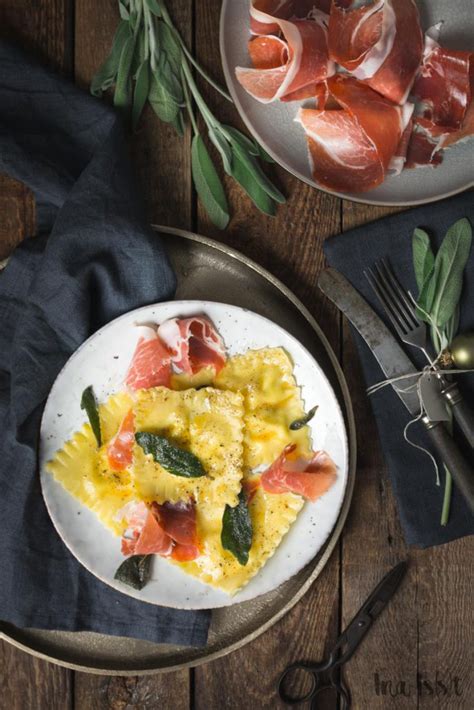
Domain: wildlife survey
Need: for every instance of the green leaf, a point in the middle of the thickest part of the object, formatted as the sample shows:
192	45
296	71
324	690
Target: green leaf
168	45
90	406
219	141
162	103
300	423
123	87
170	457
259	176
178	123
105	77
450	261
154	7
124	13
139	54
134	571
423	257
236	535
241	139
246	179
169	79
140	93
208	184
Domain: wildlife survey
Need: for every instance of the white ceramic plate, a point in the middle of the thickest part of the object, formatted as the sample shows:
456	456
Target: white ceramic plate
102	361
273	124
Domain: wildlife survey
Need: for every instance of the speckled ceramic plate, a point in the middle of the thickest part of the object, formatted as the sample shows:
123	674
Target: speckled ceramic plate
273	124
204	267
102	361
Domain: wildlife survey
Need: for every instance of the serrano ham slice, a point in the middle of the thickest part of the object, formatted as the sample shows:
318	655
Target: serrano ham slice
380	43
351	148
151	363
120	449
288	68
310	478
194	344
264	14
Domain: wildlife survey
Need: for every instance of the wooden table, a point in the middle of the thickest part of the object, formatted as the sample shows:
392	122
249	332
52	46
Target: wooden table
420	652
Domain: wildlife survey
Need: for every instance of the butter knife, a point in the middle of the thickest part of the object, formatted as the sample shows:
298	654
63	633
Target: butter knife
395	363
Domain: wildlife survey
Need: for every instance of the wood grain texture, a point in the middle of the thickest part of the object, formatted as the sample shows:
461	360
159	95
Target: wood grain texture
170	690
28	683
160	156
17	214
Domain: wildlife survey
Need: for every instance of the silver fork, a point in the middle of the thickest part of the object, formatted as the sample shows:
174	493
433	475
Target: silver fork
401	312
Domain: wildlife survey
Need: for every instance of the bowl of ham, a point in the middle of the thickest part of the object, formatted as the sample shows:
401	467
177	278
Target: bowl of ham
370	100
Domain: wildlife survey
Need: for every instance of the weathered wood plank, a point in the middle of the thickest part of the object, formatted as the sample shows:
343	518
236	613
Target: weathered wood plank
17	214
420	651
27	682
170	690
161	157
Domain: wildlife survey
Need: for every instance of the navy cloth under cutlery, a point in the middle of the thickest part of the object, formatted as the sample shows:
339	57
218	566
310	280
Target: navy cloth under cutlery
411	471
95	259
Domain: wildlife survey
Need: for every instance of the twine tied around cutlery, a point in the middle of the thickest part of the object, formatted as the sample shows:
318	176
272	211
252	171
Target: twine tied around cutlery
428	369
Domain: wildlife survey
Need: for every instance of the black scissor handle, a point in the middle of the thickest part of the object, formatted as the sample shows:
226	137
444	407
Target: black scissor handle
286	676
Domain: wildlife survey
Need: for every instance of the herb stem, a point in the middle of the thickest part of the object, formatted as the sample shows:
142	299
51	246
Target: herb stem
150	36
209	118
194	62
189	107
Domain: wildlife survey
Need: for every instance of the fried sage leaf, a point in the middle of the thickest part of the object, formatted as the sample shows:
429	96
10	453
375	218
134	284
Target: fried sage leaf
90	406
173	459
134	571
300	423
236	535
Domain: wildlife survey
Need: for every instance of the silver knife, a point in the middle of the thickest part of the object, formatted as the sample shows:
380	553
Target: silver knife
395	363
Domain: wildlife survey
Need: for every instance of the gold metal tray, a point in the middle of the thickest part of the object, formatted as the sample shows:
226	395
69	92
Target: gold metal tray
209	270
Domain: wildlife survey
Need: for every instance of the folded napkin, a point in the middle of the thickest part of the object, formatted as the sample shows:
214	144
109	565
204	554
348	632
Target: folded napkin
95	260
411	471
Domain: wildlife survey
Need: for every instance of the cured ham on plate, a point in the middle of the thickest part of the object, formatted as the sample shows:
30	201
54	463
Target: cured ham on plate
382	87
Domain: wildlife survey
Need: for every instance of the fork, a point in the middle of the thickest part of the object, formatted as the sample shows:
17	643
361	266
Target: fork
401	311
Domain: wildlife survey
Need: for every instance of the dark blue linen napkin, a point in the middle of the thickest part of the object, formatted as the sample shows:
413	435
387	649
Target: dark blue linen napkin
95	259
411	471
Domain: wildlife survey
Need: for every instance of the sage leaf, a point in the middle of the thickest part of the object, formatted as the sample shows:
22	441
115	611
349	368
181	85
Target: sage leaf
170	457
245	178
300	423
208	184
178	123
105	77
169	45
161	102
257	173
449	266
123	86
222	145
153	6
91	408
170	81
124	13
423	257
134	571
237	533
241	139
140	93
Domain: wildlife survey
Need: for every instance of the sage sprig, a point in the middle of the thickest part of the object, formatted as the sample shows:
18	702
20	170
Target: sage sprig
150	62
439	279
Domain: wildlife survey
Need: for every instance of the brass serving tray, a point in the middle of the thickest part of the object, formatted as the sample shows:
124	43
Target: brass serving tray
208	270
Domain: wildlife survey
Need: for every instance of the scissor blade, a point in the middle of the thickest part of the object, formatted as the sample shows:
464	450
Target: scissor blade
384	591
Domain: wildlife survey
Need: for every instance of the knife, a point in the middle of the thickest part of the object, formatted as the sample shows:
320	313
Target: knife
395	363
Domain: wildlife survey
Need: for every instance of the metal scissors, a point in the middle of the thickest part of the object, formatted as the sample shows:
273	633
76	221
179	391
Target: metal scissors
344	649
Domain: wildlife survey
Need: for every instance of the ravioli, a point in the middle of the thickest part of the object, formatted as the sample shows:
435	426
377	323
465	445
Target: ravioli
206	422
83	470
272	402
272	516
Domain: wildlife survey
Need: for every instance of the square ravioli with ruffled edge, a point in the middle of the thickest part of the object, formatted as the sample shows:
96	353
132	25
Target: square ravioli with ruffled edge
84	470
206	422
272	401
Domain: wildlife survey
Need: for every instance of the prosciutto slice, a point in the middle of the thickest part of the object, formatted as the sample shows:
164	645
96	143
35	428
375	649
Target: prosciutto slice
380	43
264	14
310	478
288	68
151	362
194	344
351	148
120	449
